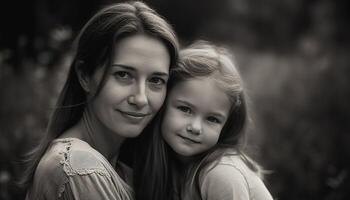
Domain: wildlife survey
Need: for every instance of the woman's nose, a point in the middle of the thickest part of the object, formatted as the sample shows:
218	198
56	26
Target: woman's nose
139	97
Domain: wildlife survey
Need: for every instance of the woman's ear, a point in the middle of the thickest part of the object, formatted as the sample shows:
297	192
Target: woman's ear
82	77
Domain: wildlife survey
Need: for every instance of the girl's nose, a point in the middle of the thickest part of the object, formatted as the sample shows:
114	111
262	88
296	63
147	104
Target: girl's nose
195	127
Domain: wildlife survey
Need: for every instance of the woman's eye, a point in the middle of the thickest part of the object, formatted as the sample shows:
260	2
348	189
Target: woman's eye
214	120
157	81
122	75
184	109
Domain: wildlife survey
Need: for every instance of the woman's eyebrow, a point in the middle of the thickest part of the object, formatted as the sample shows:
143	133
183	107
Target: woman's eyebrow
161	74
124	66
127	67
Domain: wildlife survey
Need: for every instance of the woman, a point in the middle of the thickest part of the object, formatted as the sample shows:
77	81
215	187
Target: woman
115	86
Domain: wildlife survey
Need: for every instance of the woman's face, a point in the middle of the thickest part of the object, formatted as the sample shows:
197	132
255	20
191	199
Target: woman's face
135	86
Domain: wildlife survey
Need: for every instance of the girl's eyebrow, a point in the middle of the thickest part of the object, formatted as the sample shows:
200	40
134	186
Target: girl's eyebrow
185	102
126	67
216	114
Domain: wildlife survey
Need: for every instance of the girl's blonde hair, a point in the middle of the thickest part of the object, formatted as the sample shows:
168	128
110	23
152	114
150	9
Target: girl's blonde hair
203	59
200	59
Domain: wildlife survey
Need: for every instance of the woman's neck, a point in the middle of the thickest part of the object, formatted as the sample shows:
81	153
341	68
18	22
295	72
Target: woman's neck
92	131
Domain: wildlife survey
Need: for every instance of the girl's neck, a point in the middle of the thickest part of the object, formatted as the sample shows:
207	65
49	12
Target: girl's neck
183	162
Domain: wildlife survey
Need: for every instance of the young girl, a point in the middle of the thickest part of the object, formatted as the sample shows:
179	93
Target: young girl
203	124
115	86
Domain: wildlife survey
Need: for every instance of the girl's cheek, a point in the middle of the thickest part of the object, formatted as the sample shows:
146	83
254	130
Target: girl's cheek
178	120
181	117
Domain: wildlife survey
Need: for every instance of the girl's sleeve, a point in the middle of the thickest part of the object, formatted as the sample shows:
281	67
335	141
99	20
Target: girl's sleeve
224	182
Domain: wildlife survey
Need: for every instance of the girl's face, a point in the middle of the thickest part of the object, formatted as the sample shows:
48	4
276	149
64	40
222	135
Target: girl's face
135	85
196	111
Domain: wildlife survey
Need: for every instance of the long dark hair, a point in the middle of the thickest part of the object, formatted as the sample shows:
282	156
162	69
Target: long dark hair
154	178
93	50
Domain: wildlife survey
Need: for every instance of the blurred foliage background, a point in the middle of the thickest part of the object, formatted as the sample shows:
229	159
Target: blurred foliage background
293	55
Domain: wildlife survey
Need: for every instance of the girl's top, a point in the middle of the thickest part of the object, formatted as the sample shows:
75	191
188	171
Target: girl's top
230	179
72	169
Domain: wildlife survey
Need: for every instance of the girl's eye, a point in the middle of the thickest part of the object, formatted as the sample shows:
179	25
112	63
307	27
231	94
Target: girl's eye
214	120
157	81
184	109
122	75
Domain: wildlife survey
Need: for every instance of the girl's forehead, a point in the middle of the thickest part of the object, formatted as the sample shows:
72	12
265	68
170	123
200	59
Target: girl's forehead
202	92
195	83
216	80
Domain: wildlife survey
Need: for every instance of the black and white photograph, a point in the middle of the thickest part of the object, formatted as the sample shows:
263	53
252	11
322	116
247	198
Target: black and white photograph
174	100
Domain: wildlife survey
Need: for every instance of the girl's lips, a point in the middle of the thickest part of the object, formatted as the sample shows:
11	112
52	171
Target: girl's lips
189	139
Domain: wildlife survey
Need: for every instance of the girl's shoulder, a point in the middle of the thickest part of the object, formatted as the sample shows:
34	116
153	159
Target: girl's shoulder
235	162
230	176
226	177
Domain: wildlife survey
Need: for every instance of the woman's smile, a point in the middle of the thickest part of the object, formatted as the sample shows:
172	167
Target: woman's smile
134	117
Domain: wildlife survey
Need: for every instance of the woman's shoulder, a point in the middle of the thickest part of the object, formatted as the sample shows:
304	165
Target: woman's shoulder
51	173
70	156
73	162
